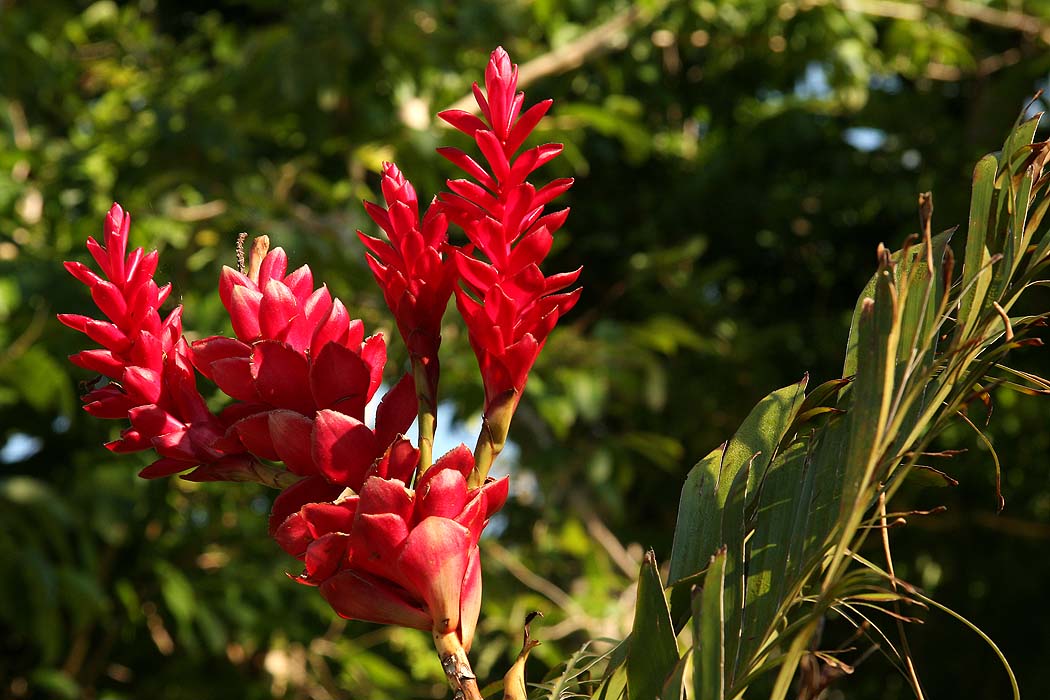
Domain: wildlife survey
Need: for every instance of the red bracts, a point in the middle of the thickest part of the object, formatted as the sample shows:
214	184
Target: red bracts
509	306
301	372
396	555
153	383
415	270
304	372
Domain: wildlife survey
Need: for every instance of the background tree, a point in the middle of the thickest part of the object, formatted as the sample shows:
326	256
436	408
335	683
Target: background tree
736	165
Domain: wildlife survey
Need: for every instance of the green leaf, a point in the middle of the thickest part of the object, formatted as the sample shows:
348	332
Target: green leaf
1020	137
982	238
757	438
820	495
903	263
708	627
1010	225
872	390
734	533
699	517
777	534
823	395
1034	221
675	687
614	687
653	652
1020	212
920	304
698	529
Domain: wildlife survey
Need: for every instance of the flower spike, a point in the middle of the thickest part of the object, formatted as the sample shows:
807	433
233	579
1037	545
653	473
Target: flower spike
417	274
152	382
303	372
392	554
509	306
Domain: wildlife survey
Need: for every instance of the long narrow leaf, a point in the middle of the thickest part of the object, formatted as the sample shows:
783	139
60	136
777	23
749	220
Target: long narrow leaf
698	530
977	254
653	651
699	518
708	626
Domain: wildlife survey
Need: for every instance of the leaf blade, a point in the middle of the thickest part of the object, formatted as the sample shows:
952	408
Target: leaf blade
653	651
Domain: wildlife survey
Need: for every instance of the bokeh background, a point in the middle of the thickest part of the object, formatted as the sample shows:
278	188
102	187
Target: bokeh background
737	162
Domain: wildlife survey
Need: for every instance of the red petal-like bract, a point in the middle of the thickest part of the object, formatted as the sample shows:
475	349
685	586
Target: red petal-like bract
392	554
509	306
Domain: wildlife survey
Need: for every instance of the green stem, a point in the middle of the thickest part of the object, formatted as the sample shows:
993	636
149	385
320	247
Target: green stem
485	452
425	396
495	425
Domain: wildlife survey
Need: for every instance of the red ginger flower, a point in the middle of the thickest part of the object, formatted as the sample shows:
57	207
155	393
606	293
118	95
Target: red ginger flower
417	273
415	269
303	378
395	555
304	372
509	306
153	383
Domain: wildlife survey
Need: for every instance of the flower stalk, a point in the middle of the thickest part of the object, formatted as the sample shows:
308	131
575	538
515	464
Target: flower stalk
427	413
456	665
495	428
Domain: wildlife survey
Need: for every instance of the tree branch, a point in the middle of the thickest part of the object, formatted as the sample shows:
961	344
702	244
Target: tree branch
571	55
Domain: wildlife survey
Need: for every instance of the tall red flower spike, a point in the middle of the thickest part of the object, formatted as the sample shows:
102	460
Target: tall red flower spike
300	370
417	273
396	555
415	269
147	360
509	306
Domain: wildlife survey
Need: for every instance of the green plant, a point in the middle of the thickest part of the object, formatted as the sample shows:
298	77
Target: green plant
775	525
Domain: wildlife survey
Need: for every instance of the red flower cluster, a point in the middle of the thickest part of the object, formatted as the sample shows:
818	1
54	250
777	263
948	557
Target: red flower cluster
304	372
148	361
509	306
415	269
396	555
386	535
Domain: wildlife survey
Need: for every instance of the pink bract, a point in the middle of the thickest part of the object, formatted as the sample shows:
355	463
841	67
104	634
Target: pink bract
393	554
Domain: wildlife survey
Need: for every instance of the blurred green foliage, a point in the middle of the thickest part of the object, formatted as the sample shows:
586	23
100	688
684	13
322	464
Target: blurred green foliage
736	164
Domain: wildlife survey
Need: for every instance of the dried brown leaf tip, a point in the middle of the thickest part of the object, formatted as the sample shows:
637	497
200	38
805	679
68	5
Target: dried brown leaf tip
514	681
